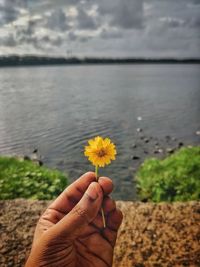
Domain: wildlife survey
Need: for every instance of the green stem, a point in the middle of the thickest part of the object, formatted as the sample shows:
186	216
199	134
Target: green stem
102	212
96	172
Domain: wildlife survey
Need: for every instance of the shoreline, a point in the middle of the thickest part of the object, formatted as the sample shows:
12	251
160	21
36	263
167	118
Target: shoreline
16	60
143	147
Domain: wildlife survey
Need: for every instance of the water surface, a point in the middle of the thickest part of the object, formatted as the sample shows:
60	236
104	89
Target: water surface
57	109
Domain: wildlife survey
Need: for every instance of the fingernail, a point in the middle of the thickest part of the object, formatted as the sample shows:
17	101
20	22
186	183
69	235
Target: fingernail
91	192
103	178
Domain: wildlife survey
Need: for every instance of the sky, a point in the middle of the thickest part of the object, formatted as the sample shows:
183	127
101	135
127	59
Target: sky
101	28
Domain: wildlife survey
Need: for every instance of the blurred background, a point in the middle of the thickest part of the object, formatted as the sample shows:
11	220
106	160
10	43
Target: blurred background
149	107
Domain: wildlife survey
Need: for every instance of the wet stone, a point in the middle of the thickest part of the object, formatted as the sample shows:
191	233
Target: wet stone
170	150
135	157
180	144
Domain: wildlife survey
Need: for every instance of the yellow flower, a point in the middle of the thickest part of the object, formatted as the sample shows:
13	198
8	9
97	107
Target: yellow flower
100	151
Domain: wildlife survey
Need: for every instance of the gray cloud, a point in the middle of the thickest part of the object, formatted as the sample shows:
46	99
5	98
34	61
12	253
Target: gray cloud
8	41
8	13
72	36
111	34
195	22
57	20
129	14
55	41
40	6
85	21
10	10
93	27
27	35
196	2
169	22
126	14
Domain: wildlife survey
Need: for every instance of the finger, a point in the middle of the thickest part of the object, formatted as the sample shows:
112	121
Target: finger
108	206
114	220
106	184
113	223
83	213
73	193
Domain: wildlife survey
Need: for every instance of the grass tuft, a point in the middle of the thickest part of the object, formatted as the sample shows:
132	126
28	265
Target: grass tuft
175	178
24	179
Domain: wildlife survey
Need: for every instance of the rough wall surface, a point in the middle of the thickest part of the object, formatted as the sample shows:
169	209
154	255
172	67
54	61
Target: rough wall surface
151	234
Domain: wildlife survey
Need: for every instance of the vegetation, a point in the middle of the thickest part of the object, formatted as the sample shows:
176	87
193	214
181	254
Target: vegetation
31	60
175	178
24	179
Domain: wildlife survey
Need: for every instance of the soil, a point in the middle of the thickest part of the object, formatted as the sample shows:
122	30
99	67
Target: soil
155	235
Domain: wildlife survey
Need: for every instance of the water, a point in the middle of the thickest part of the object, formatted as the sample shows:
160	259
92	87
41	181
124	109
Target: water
57	109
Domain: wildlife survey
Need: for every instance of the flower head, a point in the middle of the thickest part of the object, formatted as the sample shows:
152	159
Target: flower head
100	151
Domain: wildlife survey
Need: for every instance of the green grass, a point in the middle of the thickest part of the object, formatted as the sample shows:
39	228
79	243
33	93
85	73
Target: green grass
175	178
24	179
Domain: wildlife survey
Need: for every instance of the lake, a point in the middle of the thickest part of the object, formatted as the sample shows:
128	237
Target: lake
58	108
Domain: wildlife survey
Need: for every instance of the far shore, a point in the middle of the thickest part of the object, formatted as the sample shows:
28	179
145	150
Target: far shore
36	60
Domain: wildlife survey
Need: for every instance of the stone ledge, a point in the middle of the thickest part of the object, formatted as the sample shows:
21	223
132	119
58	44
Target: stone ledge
150	235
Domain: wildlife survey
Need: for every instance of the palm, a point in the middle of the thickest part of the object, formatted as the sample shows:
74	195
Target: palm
93	251
91	245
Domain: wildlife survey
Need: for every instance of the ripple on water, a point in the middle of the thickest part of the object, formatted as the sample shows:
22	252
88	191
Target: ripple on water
60	108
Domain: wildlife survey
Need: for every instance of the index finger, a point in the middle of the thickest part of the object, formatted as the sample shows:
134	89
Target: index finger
73	193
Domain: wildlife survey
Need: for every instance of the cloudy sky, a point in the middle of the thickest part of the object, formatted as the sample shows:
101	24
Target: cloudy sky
110	28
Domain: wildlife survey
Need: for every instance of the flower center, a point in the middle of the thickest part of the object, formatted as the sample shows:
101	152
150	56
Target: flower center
101	153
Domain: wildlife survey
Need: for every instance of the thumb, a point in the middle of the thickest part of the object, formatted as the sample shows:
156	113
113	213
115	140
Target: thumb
84	212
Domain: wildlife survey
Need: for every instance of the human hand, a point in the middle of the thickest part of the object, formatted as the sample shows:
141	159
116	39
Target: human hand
70	233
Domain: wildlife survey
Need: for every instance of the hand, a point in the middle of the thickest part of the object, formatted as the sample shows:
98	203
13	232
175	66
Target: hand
70	233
